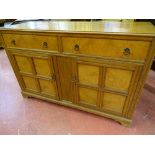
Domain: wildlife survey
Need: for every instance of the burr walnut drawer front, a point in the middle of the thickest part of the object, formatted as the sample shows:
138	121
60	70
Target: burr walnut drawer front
129	49
41	42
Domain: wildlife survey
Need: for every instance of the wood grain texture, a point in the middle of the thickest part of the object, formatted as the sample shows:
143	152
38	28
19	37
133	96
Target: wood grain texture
42	67
88	96
65	66
25	41
118	79
113	102
88	74
106	47
47	87
97	27
30	83
23	64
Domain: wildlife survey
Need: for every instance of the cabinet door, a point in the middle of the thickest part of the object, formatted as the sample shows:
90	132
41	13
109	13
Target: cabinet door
36	72
106	87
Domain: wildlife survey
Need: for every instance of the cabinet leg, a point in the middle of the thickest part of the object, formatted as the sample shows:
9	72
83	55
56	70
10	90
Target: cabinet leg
125	123
25	96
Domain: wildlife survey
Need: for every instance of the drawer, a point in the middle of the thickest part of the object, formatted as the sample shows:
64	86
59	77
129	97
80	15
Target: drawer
31	41
106	47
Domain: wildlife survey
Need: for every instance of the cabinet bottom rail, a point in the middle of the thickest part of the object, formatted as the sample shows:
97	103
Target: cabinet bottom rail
123	121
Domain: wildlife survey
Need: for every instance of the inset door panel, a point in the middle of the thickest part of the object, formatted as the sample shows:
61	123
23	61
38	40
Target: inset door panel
87	80
42	66
23	63
88	96
113	102
30	83
88	74
117	79
47	87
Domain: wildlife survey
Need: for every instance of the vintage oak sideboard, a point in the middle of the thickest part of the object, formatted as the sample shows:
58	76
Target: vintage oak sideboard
98	67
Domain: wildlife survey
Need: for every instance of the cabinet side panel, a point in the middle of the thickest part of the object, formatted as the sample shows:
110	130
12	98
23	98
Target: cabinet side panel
142	78
1	41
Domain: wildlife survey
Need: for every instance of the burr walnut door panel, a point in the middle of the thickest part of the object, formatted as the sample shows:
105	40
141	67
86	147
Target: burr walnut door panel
117	79
87	83
105	87
37	73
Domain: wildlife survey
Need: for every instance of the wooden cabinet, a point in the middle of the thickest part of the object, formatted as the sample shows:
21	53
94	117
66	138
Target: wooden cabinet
95	71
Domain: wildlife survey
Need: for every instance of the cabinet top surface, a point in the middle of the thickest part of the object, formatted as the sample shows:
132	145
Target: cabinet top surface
99	27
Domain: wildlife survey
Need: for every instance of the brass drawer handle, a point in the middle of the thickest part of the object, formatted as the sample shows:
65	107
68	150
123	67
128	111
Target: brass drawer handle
126	52
45	45
76	47
13	42
73	79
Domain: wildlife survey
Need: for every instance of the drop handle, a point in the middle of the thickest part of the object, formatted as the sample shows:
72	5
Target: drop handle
53	77
45	45
13	42
73	78
76	47
127	51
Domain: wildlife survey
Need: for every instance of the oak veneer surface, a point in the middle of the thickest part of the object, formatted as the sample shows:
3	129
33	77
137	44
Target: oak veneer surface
111	48
98	67
94	26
